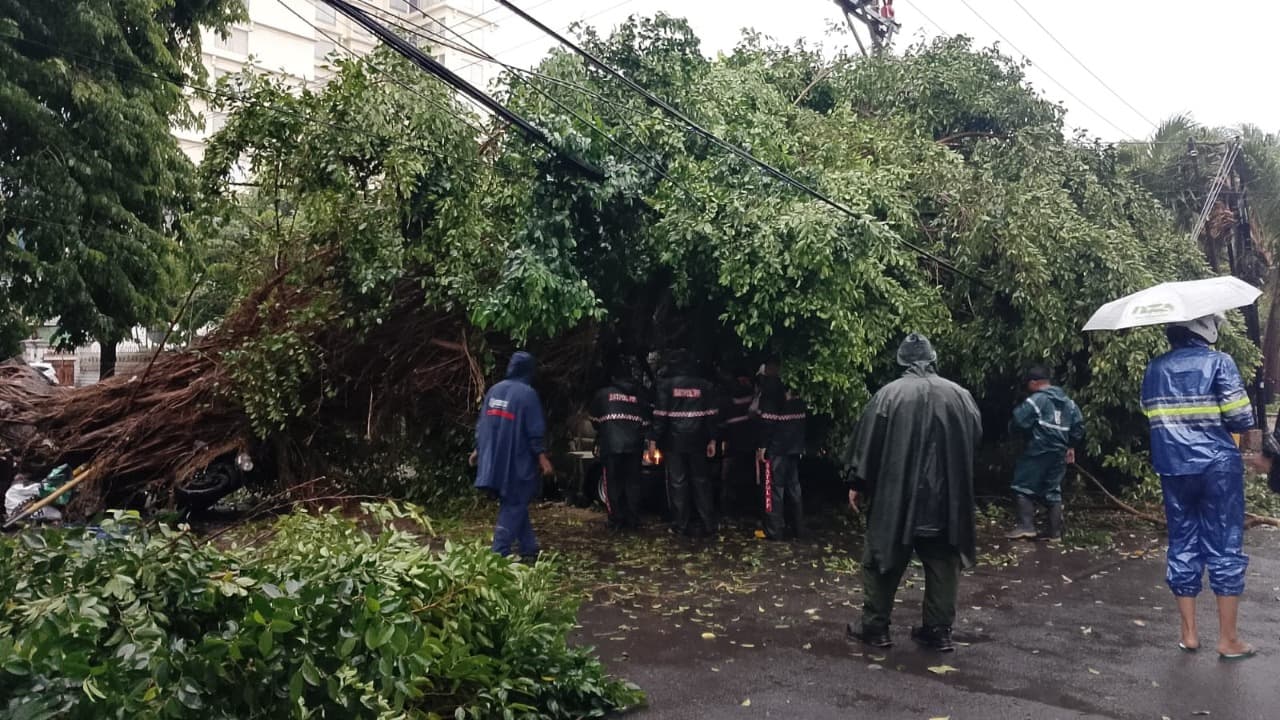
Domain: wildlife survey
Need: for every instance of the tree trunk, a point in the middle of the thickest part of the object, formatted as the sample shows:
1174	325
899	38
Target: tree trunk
107	359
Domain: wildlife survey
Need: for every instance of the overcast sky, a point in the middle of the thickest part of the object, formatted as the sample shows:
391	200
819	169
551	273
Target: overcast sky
1159	55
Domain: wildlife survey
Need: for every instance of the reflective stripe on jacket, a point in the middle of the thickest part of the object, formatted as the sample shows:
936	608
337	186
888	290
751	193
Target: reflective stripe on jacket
1051	422
685	413
782	419
620	415
1194	398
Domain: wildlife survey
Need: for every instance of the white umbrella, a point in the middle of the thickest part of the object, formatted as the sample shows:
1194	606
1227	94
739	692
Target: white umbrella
1174	302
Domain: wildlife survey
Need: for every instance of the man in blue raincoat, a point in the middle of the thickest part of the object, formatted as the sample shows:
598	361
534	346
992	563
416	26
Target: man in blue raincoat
1053	427
510	453
1194	399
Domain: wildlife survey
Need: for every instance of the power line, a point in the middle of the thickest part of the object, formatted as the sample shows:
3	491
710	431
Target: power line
381	71
235	97
717	140
531	41
432	66
1044	72
922	14
479	52
1215	188
479	16
1080	62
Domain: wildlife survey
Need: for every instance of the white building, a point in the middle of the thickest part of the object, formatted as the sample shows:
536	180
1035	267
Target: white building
275	40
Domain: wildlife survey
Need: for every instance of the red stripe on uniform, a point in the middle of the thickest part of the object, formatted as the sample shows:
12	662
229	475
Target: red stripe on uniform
768	486
502	414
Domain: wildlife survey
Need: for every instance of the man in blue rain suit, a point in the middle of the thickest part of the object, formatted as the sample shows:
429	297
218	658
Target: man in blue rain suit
510	453
1053	427
1194	399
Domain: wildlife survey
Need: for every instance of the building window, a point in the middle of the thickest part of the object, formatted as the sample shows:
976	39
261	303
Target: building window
236	41
325	13
215	122
323	49
405	6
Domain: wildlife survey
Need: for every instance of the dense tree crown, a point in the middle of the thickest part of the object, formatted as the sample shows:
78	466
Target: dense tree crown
92	183
944	148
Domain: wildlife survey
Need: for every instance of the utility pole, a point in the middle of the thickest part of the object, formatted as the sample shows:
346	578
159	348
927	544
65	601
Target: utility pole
876	18
1246	263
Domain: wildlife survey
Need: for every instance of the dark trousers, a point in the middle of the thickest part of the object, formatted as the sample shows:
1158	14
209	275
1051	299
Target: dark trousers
1040	477
690	489
941	582
783	507
738	488
514	526
622	488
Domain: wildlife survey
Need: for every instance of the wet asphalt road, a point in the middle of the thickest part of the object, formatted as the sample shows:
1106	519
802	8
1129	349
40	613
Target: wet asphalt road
1059	635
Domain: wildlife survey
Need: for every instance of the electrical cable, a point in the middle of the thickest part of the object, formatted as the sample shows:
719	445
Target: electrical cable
421	31
531	41
1220	180
381	71
432	66
235	97
1044	72
1080	62
717	140
922	14
476	51
479	16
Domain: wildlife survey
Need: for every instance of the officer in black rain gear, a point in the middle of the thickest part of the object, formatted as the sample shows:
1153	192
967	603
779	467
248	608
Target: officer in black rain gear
685	418
782	425
621	415
738	442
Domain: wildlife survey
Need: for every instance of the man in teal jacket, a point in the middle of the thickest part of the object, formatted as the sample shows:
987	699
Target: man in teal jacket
1052	426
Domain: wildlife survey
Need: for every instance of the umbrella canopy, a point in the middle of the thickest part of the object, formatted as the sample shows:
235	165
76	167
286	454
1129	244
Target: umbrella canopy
1174	302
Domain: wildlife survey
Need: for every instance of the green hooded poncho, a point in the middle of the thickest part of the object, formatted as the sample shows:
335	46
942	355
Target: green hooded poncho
913	453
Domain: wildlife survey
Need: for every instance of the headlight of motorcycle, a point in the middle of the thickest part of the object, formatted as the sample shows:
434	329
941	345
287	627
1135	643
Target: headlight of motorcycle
244	462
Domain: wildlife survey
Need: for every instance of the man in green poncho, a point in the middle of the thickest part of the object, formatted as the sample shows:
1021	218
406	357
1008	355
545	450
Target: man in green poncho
912	454
1053	427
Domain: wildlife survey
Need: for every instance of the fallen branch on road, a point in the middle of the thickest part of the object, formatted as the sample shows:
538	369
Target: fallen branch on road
1155	519
1251	520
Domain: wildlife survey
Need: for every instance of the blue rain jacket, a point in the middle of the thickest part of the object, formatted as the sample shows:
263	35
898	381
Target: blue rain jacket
509	435
1194	398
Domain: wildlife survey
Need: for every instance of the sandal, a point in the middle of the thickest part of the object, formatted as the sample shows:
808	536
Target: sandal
1188	648
1232	657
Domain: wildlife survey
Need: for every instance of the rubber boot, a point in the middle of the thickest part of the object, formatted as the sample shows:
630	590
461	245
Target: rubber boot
1055	523
1026	528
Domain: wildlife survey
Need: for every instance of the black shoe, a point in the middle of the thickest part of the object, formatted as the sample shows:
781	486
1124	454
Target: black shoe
530	559
934	637
873	636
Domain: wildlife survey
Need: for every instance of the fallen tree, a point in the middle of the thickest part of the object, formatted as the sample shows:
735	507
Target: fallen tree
385	251
150	434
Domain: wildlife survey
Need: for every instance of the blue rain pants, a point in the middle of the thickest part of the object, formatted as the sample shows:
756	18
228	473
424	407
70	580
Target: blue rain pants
1206	529
514	526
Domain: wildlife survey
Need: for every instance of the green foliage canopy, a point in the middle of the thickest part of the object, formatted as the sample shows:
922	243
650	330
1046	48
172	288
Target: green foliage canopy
944	148
92	183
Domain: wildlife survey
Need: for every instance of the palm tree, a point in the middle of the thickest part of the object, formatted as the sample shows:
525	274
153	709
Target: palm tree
1181	164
